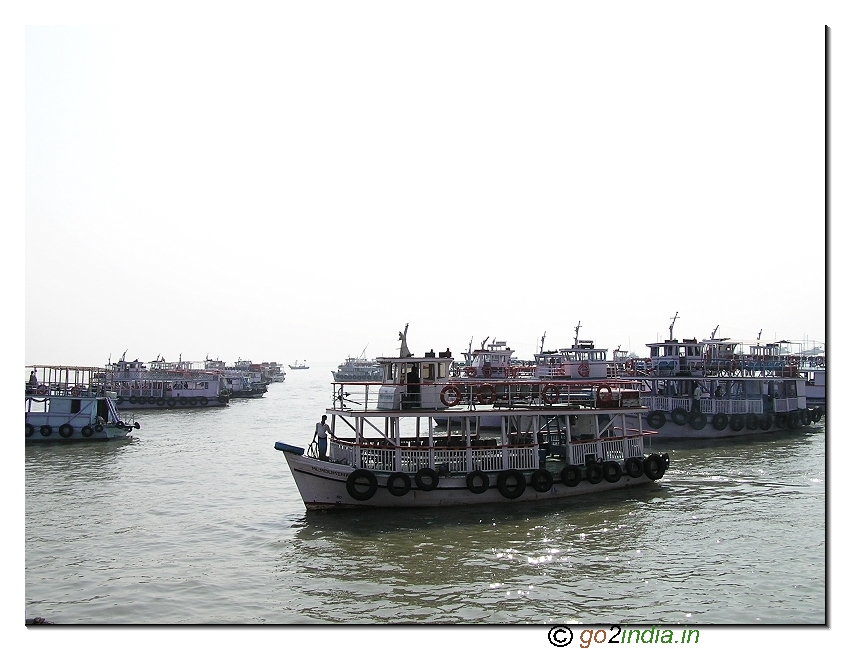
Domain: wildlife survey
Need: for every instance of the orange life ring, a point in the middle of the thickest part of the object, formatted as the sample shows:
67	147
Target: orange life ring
794	360
551	388
471	372
584	369
452	399
486	394
487	371
606	396
820	361
630	367
41	389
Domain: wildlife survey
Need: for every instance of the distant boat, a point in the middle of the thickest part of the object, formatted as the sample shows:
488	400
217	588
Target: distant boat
299	366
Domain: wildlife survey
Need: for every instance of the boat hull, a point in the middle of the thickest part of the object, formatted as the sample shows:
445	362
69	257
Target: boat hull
171	403
672	430
322	485
108	432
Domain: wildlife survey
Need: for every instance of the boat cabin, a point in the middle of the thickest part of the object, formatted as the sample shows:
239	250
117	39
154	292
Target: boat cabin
413	382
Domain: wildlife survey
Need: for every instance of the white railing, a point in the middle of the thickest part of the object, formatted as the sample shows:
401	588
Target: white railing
459	459
711	406
616	449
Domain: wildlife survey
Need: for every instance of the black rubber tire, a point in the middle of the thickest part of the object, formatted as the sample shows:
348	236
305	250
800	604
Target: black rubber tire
656	419
634	467
765	422
183	401
752	421
119	400
571	475
132	399
511	491
594	473
355	479
98	428
541	480
471	482
806	416
679	416
30	430
394	488
426	479
46	431
794	420
781	420
653	466
611	471
222	398
698	420
193	401
160	402
87	431
151	400
171	403
66	430
203	401
720	421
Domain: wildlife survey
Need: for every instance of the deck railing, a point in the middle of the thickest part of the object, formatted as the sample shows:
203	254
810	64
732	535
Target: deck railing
714	406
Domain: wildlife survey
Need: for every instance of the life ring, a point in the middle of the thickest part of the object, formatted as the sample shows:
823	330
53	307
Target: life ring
584	369
508	489
765	422
398	489
611	471
171	403
737	422
160	402
450	396
594	473
203	401
541	481
87	431
355	479
486	394
679	416
820	361
698	420
720	421
46	431
606	396
551	392
781	420
98	428
66	430
487	371
630	367
76	391
41	390
30	430
634	467
560	370
426	479
571	475
653	467
477	482
471	372
794	360
752	421
656	419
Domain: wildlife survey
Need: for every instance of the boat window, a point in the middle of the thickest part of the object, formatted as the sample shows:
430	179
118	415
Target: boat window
75	405
443	369
428	371
791	387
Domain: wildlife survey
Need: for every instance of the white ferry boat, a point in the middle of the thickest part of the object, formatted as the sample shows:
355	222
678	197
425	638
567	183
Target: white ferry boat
357	369
67	403
555	440
164	385
299	366
720	387
583	361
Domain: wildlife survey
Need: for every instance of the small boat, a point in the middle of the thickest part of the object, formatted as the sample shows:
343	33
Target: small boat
555	440
299	366
720	387
357	369
68	403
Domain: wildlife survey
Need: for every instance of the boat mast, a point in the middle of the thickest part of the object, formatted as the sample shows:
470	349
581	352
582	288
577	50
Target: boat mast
715	331
671	325
578	326
542	339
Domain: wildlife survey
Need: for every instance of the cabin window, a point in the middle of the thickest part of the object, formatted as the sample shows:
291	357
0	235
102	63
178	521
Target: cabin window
791	386
75	405
443	370
428	371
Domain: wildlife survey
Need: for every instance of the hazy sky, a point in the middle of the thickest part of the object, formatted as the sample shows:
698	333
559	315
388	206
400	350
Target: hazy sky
299	180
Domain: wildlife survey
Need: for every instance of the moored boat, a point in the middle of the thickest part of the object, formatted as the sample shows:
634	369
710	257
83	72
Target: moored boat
164	385
299	366
720	387
555	440
357	369
70	403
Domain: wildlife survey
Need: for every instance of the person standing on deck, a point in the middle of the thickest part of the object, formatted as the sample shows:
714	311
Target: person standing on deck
321	437
697	397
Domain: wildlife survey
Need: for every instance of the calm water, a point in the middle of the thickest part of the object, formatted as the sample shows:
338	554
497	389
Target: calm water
197	520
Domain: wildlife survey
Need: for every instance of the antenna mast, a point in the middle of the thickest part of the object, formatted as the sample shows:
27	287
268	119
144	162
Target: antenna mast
578	326
672	323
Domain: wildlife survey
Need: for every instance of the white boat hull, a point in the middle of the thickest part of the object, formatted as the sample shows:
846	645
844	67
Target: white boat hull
322	485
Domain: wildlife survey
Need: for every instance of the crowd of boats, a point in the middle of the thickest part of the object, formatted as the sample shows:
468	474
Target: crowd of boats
91	403
431	430
427	430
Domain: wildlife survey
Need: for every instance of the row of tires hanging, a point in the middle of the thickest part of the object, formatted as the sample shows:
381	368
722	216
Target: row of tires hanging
362	484
737	422
65	430
171	402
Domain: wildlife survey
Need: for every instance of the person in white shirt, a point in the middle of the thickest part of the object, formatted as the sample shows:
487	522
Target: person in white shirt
321	437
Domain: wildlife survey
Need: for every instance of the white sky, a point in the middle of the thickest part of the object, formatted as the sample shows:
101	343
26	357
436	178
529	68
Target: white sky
299	180
282	180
